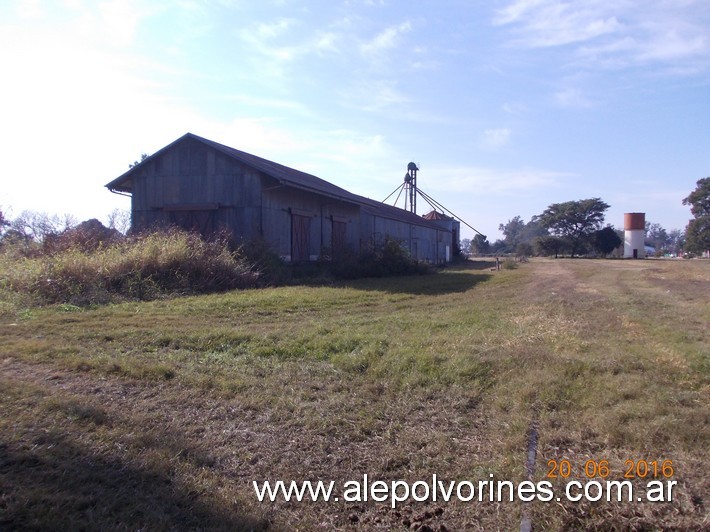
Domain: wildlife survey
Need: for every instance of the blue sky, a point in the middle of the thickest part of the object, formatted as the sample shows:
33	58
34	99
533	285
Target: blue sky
507	106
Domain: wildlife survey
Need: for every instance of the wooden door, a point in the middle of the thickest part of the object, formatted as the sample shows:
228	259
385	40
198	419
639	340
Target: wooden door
300	238
338	238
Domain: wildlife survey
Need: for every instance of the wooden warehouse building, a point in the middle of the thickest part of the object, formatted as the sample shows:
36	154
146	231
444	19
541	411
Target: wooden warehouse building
201	185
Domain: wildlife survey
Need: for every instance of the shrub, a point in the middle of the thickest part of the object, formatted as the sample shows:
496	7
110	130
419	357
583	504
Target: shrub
386	260
87	236
142	267
509	264
272	270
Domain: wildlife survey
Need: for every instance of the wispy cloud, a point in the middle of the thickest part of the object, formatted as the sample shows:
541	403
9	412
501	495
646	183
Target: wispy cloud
674	43
279	42
612	34
29	9
492	139
376	95
492	180
279	104
514	108
573	98
262	39
120	20
385	40
274	29
552	23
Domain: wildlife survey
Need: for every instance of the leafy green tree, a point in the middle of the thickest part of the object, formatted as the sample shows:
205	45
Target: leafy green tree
699	199
606	240
575	221
524	249
550	245
512	231
676	241
697	233
480	244
533	229
517	232
657	237
498	247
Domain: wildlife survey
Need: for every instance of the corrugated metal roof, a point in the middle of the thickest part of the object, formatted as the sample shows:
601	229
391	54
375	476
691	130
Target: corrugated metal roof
286	176
436	215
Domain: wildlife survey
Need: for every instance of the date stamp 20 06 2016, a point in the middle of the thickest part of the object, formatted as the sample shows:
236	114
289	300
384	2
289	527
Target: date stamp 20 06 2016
632	469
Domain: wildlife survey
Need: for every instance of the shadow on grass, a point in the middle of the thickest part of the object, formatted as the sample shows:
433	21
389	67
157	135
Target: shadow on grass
446	282
59	486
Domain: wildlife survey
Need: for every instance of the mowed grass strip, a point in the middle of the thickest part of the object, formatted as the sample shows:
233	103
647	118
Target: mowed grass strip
397	378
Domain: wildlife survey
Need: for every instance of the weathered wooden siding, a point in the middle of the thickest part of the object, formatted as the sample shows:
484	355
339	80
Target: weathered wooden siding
200	185
280	204
423	243
193	174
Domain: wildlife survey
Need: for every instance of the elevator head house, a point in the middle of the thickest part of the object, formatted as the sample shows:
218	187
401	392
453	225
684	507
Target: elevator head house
201	185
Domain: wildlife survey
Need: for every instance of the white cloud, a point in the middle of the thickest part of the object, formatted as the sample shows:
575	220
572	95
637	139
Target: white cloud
665	46
29	9
493	181
119	20
495	138
272	41
326	42
670	45
385	40
376	95
514	108
573	98
272	104
274	29
67	108
552	23
612	34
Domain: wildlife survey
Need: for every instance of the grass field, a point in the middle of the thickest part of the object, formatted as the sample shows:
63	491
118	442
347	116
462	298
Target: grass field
159	415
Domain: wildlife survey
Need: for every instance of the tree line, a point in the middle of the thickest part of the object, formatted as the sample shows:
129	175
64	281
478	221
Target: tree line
577	228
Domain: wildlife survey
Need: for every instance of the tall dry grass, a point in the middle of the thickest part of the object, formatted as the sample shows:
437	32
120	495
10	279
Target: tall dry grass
142	267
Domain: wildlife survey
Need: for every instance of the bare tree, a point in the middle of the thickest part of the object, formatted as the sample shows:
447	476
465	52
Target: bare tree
38	225
120	220
3	222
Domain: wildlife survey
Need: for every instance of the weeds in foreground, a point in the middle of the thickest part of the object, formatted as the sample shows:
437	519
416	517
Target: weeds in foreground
79	268
142	267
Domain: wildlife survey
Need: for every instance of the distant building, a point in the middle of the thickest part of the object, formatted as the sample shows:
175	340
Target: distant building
634	235
200	185
448	223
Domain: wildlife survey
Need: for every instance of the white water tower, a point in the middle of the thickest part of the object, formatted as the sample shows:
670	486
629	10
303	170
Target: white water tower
634	233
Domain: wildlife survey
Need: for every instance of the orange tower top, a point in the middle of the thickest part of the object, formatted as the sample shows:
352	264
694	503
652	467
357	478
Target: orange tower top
634	221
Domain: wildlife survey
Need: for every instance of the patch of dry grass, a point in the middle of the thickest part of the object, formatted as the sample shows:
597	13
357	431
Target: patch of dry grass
142	267
195	397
